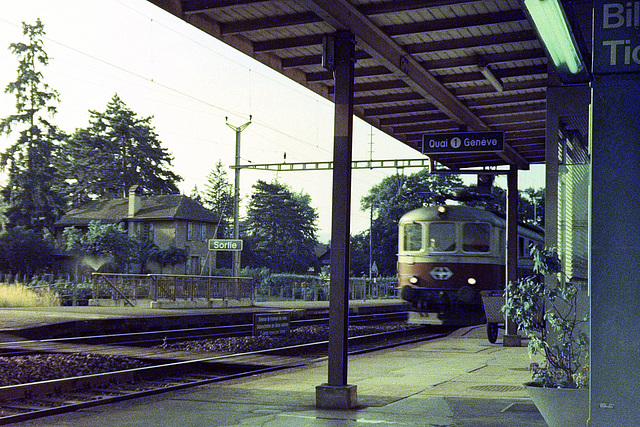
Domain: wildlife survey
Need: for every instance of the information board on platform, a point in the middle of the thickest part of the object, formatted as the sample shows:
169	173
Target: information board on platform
271	324
463	142
616	37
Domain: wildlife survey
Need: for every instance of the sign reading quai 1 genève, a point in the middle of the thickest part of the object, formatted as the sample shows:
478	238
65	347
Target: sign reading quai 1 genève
462	142
616	36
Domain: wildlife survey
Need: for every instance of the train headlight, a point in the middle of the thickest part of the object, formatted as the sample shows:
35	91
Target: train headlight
471	281
413	280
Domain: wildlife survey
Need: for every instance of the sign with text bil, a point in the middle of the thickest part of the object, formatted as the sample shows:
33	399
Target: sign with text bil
616	41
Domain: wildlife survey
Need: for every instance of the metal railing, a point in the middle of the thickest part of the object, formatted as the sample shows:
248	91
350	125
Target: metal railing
155	287
319	290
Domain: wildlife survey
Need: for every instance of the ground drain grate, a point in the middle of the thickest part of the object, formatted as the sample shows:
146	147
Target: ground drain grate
497	388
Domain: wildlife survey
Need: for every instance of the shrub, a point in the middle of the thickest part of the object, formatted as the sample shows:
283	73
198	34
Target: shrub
20	295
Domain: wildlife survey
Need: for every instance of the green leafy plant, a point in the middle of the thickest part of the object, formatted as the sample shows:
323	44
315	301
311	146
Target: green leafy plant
549	315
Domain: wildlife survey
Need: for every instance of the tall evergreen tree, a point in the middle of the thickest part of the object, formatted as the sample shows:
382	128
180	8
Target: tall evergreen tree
280	229
33	202
116	151
218	196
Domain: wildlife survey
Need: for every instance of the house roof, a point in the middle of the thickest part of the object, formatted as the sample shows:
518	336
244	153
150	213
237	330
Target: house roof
164	207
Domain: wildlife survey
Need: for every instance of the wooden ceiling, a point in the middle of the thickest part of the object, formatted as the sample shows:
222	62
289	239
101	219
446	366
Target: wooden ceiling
422	65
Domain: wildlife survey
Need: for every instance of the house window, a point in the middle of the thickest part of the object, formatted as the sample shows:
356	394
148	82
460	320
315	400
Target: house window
135	228
150	231
193	265
203	232
189	230
143	230
194	230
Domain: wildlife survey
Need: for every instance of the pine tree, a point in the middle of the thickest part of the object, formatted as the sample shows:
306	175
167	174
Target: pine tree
281	229
218	196
116	151
33	202
196	195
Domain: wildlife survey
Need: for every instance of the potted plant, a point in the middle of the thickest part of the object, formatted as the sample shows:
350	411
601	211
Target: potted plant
549	314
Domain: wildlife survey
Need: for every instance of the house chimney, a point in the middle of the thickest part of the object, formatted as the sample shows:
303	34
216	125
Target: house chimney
134	200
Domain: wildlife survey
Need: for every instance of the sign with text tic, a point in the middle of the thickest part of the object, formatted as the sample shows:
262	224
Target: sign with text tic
463	142
616	37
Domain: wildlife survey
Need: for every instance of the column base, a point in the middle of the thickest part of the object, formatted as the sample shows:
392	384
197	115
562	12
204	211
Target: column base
511	340
336	397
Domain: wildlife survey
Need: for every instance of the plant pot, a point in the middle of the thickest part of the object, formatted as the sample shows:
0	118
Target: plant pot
561	407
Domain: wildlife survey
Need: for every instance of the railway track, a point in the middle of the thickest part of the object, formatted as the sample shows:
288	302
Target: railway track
35	400
152	338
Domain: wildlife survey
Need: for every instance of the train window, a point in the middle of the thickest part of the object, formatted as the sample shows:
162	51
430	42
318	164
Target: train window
442	236
476	237
412	237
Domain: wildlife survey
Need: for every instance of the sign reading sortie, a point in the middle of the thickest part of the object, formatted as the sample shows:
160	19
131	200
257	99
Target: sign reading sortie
616	42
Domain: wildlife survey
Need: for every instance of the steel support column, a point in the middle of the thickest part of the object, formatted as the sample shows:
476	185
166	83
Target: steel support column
615	252
511	337
336	393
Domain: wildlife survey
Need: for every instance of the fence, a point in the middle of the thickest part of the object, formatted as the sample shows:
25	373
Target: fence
317	289
130	288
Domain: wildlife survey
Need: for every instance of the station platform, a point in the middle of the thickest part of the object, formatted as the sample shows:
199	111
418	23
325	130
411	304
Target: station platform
56	322
460	380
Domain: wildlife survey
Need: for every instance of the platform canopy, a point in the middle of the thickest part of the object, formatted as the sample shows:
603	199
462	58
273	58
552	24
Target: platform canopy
422	66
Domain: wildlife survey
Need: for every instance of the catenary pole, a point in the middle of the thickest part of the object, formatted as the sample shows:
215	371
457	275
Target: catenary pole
236	197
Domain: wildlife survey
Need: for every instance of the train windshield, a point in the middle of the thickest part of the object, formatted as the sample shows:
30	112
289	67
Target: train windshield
476	237
442	236
413	237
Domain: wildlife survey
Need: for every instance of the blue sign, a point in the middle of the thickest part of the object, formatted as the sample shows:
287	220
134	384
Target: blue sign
462	142
616	37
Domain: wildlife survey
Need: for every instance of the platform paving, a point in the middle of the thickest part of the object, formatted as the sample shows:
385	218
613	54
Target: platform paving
461	380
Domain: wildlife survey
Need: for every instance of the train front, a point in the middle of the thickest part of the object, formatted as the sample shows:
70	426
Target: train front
447	255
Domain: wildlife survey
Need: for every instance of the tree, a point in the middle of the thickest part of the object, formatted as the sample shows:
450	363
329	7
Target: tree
281	229
392	198
33	202
108	241
195	195
359	254
25	251
531	208
218	197
530	203
117	150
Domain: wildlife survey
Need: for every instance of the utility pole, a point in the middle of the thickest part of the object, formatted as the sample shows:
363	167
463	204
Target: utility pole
236	198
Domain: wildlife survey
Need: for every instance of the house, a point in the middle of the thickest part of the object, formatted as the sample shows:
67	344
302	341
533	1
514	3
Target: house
166	220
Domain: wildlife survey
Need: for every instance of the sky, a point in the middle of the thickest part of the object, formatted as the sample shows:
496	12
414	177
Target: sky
192	84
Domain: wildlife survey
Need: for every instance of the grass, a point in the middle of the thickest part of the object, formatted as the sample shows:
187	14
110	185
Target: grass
19	295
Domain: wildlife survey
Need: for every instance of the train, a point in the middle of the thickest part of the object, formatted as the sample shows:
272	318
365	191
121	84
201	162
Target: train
448	255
